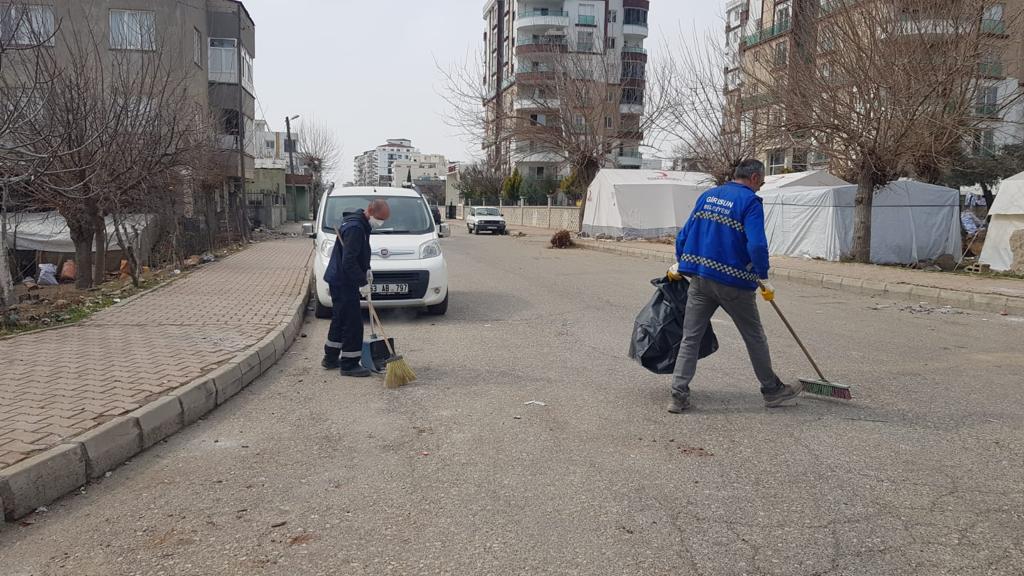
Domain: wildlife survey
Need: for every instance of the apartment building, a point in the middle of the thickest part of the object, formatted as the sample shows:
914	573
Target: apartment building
213	41
420	168
773	30
525	39
376	167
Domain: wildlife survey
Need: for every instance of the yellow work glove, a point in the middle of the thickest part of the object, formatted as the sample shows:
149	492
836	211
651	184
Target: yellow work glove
673	274
767	292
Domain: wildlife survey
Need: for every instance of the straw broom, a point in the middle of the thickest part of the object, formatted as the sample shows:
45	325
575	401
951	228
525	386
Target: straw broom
399	373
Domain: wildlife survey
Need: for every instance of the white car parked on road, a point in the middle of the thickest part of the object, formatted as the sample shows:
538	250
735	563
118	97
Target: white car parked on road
485	219
409	269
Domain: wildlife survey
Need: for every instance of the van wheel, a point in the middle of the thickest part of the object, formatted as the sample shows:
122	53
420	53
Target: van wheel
439	309
323	312
469	228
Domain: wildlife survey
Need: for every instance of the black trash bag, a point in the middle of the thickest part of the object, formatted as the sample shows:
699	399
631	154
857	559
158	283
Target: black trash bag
658	330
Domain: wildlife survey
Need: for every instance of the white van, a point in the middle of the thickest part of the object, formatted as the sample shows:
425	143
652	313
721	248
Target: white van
409	269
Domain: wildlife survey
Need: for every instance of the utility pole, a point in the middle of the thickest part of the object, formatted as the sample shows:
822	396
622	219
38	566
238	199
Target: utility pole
242	212
290	143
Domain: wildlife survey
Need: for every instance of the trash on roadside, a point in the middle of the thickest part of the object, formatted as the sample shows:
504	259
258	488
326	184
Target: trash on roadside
68	271
47	275
207	258
278	524
534	403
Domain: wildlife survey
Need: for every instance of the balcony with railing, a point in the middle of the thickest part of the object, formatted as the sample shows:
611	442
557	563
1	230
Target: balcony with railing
766	34
541	44
541	18
629	159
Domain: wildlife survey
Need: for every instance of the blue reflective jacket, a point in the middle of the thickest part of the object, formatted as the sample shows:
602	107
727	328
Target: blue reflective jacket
724	238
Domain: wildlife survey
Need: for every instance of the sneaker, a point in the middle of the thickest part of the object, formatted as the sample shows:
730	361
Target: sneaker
354	370
679	404
330	363
784	394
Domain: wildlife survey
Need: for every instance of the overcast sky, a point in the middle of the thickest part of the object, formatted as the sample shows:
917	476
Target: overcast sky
367	67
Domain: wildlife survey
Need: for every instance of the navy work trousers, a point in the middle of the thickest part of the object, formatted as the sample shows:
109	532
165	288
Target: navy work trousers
345	338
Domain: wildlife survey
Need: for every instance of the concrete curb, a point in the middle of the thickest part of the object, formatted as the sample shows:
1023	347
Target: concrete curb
979	302
51	474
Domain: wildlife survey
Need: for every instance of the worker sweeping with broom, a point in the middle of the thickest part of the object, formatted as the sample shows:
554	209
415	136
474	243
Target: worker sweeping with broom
350	280
724	251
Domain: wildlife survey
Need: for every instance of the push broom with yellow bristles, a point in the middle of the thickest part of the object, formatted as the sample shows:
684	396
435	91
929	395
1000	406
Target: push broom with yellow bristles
398	372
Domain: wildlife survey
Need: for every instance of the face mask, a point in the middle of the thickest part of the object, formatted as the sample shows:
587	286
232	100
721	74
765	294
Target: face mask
376	222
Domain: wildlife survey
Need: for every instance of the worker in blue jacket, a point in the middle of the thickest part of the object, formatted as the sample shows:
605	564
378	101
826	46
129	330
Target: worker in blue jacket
350	280
724	251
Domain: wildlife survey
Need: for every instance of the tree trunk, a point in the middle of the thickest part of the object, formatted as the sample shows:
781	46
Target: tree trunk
862	213
6	278
83	238
99	272
986	191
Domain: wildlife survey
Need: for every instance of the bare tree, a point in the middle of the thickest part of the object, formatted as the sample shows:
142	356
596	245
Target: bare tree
479	183
24	86
701	111
125	119
883	88
320	150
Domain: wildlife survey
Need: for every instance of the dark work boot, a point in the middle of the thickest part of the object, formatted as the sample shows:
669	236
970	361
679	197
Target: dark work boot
679	404
330	363
352	368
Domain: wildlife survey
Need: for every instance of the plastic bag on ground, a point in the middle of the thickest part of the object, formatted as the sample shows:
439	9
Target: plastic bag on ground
47	275
658	330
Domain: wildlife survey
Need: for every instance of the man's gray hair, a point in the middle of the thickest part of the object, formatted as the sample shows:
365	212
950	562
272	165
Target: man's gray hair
748	169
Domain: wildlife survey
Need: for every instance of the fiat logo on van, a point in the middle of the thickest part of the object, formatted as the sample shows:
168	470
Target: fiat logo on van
384	252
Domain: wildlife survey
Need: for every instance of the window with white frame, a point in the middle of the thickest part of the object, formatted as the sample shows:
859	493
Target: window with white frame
613	16
776	162
26	25
988	101
132	30
585	41
223	60
248	82
197	47
588	16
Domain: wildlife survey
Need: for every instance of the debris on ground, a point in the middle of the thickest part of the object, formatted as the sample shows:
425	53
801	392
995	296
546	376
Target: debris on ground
534	403
694	451
279	524
925	308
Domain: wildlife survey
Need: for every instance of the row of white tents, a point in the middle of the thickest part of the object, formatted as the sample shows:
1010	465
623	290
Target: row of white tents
809	214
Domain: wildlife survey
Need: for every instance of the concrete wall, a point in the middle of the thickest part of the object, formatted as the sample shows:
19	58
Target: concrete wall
552	218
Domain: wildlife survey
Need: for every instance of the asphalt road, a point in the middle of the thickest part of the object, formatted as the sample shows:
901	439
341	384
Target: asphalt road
305	473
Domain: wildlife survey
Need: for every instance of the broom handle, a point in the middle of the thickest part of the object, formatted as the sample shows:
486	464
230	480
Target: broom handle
795	337
375	318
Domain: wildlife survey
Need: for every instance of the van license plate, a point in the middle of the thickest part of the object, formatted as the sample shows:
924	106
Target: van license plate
390	289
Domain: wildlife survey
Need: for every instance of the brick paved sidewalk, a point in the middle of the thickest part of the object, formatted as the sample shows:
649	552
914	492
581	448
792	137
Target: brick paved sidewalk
59	383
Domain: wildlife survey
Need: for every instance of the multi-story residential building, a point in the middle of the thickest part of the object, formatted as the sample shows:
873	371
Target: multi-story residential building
523	39
376	167
231	49
212	41
759	31
419	168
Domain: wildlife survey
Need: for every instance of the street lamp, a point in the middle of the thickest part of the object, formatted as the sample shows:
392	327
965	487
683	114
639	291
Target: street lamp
291	144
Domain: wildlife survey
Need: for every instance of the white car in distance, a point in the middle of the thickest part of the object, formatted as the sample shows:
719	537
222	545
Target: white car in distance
486	219
409	269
